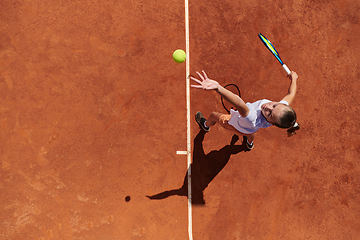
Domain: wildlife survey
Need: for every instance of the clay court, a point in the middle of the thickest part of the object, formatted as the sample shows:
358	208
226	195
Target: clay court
94	121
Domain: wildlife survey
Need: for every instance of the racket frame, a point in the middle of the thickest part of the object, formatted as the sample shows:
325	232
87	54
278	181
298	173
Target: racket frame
273	50
222	100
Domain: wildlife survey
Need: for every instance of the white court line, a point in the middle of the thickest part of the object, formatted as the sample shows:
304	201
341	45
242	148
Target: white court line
188	135
181	152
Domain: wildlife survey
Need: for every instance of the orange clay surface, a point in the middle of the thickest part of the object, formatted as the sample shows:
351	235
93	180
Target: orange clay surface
93	109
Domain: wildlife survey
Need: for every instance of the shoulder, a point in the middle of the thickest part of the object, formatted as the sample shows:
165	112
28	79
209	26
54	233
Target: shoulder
284	102
257	104
262	101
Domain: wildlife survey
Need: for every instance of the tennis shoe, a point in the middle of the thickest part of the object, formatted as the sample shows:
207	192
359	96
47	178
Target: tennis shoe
248	145
200	119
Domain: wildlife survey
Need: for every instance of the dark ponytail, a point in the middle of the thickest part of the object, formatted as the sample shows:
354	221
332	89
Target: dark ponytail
292	130
288	120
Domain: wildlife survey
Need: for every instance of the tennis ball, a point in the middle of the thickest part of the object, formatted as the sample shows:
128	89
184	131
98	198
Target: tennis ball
179	56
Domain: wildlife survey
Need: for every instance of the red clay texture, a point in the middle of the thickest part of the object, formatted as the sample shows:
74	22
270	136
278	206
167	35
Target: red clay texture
93	111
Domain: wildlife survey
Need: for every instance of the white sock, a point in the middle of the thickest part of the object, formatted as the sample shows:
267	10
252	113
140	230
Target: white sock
205	124
248	142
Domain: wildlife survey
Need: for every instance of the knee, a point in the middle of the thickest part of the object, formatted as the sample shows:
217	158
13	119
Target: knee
213	114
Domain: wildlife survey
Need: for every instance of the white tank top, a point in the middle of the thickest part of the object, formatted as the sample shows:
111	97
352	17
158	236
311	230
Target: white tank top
253	121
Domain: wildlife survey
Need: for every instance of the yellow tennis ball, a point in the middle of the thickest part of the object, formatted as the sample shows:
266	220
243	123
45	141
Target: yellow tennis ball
179	56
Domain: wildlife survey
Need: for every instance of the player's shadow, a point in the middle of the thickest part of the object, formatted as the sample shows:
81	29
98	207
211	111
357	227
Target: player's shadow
204	169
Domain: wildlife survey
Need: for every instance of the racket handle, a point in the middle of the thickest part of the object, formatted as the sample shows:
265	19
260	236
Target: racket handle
286	69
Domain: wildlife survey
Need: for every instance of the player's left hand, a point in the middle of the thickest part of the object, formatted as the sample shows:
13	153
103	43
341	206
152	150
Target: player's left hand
205	82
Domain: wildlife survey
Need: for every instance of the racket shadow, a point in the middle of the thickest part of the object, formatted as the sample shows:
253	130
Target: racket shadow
204	168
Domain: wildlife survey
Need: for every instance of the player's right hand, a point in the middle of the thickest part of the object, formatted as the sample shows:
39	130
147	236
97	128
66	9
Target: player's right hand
293	76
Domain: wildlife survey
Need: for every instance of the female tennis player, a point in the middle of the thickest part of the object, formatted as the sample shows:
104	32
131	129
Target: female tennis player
248	118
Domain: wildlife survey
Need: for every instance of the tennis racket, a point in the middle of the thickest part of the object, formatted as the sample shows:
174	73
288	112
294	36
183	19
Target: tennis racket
272	49
234	89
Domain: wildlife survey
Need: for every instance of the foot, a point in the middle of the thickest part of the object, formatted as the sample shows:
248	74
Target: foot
249	145
200	119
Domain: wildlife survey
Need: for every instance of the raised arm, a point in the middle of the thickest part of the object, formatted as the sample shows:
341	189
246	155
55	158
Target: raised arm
292	89
208	84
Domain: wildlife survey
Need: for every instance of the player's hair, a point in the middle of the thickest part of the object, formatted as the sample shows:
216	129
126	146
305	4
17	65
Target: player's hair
288	118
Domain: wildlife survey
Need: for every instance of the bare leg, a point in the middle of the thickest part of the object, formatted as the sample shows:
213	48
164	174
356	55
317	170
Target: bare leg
213	118
216	117
250	137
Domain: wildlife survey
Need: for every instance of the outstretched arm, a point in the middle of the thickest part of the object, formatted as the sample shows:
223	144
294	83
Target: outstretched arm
292	89
208	84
